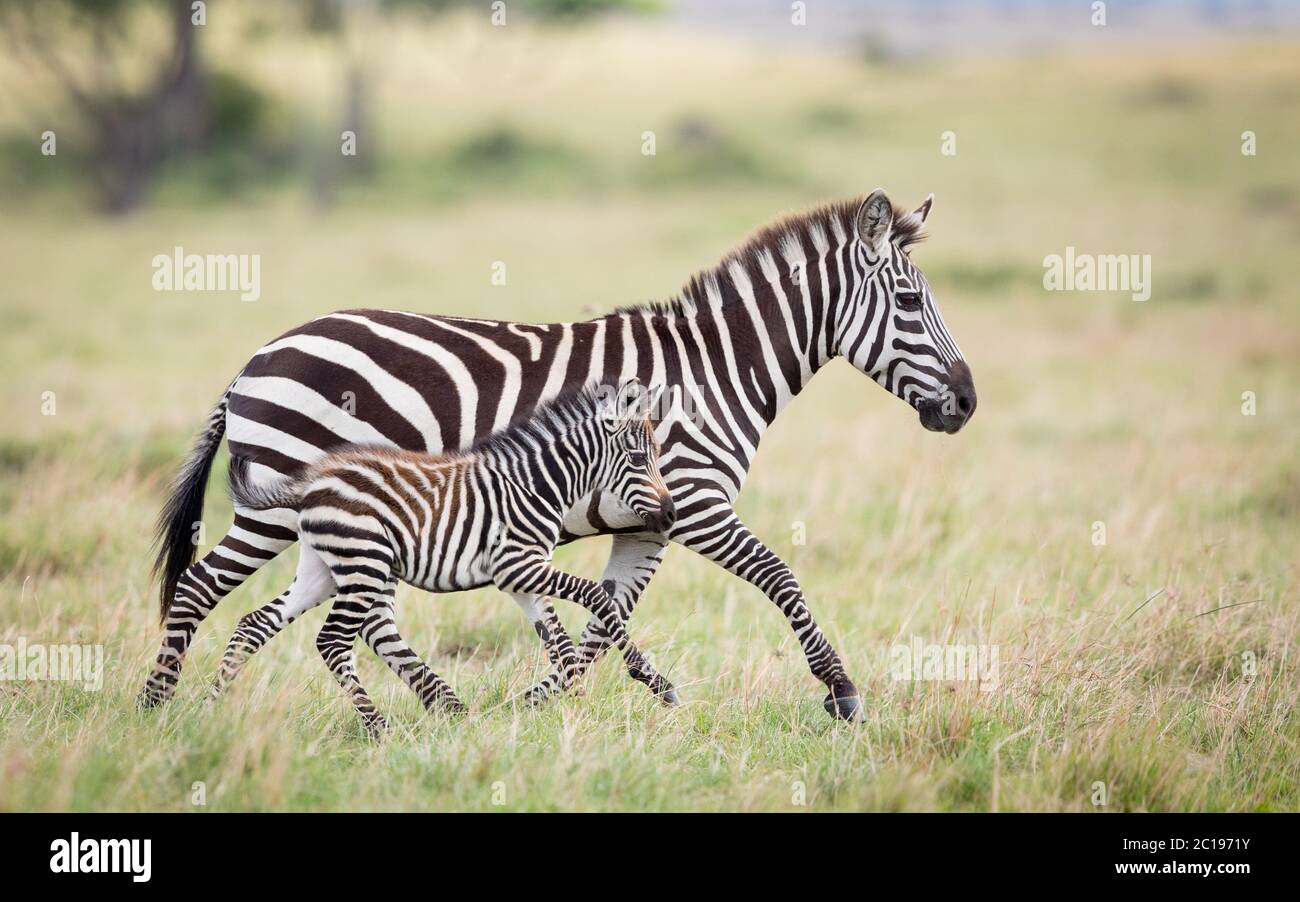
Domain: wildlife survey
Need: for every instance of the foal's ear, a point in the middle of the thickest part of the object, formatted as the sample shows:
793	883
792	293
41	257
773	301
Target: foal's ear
874	221
608	404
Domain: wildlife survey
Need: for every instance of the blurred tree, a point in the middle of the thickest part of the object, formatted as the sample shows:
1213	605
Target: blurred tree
348	21
133	130
545	9
574	9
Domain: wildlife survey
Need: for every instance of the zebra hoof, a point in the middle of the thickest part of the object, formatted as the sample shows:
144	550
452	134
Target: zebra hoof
377	729
843	703
539	695
665	692
150	698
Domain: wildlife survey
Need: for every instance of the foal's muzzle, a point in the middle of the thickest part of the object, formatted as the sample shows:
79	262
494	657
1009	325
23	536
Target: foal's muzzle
662	519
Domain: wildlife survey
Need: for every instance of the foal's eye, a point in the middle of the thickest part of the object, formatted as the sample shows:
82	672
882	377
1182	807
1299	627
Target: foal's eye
908	300
637	458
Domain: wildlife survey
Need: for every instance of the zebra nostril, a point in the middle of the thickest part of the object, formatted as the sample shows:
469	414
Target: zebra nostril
963	404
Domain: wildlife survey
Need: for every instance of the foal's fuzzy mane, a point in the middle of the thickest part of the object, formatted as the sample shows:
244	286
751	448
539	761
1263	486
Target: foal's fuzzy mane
827	220
546	421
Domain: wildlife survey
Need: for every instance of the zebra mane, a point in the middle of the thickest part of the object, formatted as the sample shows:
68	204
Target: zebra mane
820	227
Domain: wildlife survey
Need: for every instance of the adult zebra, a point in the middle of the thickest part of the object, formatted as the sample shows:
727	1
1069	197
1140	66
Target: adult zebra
741	340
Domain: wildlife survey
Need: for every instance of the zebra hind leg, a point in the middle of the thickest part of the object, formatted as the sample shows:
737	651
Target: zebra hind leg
243	551
558	645
380	633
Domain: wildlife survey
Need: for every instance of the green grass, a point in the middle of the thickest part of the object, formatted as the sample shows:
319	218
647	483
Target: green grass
1092	408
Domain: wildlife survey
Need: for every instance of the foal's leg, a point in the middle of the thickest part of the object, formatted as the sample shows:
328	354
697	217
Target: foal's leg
633	560
364	579
559	647
540	578
380	633
312	585
335	642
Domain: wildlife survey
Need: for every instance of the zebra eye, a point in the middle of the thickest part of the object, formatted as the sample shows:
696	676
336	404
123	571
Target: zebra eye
908	300
637	458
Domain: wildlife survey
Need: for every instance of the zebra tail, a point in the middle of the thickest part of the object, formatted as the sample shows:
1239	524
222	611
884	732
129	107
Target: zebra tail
174	534
286	494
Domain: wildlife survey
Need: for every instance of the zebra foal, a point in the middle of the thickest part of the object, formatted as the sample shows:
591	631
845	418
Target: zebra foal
369	517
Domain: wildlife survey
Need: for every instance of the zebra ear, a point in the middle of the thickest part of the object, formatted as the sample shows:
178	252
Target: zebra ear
607	405
631	395
907	227
875	220
622	402
656	394
923	211
653	410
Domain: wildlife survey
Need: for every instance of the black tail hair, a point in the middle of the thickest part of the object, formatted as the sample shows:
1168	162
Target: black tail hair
184	507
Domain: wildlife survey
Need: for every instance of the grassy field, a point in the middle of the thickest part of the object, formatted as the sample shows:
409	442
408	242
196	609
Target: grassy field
1162	664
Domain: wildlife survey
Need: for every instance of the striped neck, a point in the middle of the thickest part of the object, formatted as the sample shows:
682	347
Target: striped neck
557	455
764	320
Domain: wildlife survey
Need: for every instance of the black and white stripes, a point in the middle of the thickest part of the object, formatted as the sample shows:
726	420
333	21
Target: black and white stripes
368	518
741	340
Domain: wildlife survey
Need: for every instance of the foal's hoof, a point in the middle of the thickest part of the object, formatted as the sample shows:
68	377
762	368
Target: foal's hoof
843	703
377	729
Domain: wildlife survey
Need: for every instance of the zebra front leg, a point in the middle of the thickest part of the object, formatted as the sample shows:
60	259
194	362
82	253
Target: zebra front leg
380	633
559	648
540	578
730	543
633	560
312	585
